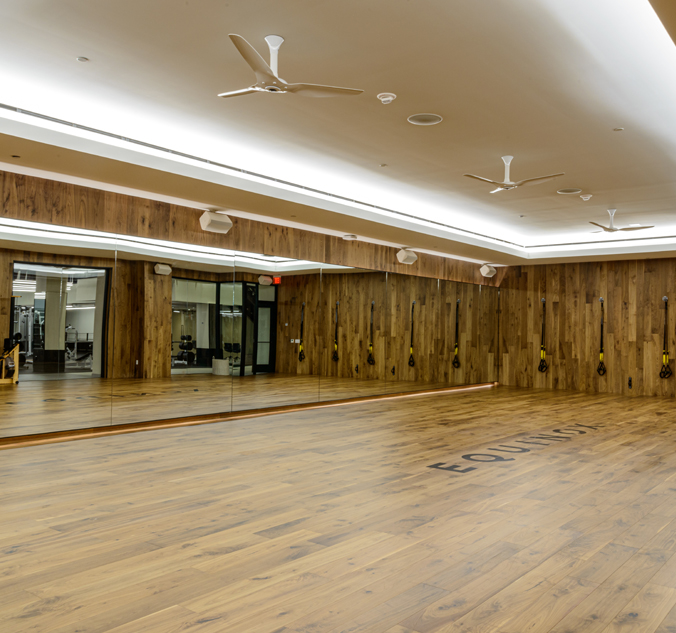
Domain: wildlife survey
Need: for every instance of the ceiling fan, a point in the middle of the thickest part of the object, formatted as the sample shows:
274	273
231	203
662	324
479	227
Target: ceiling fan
612	228
267	77
507	184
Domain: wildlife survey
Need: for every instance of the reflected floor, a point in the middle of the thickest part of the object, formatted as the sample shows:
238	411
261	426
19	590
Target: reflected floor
59	405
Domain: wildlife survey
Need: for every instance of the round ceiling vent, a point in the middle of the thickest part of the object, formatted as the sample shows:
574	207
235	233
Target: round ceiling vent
424	119
570	191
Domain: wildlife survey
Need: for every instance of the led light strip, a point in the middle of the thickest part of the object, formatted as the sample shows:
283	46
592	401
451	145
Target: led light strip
36	232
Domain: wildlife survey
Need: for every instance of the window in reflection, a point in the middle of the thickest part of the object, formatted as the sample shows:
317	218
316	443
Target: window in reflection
58	319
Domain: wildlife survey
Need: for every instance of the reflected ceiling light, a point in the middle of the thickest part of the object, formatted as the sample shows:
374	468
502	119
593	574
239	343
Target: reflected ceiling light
487	270
387	97
406	257
425	119
569	191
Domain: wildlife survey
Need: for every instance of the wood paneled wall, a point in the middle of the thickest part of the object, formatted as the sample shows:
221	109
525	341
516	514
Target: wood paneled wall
39	200
634	322
434	327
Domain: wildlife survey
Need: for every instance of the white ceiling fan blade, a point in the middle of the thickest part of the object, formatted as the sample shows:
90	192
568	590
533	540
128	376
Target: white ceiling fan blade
498	189
316	90
605	228
536	181
237	93
636	228
263	71
492	182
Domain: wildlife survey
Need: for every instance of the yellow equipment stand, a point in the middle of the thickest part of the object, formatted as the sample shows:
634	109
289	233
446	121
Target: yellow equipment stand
13	353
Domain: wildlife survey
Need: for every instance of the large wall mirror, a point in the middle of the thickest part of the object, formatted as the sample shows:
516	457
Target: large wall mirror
111	337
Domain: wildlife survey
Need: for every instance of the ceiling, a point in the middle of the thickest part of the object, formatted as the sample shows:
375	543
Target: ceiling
543	80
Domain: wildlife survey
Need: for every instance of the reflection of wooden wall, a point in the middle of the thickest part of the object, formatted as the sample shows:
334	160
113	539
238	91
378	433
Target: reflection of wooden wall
39	200
434	332
634	322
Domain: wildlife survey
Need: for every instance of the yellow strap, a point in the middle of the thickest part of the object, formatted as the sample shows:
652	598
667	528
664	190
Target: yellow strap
411	350
601	355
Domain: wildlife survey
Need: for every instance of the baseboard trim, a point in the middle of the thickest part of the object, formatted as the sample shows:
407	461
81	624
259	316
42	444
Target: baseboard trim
136	427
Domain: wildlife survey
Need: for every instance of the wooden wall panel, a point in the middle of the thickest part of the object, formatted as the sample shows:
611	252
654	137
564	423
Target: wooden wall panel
434	330
634	321
51	202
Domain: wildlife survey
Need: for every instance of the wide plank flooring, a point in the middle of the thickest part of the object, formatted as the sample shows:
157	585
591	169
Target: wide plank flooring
61	405
500	511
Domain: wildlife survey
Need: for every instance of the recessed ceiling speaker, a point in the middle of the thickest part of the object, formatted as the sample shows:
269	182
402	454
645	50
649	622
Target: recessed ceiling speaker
425	119
162	269
487	270
264	280
406	257
215	222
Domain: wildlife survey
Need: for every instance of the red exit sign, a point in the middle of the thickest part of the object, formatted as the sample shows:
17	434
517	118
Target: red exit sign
276	281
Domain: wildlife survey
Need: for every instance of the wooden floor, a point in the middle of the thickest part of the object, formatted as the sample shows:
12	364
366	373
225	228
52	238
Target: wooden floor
494	511
59	405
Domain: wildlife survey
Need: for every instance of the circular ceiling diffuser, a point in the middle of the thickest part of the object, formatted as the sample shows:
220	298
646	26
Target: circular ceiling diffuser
425	119
570	191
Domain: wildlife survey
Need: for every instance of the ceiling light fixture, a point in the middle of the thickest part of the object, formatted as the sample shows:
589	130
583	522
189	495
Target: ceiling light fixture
350	237
425	119
586	197
569	191
83	59
387	97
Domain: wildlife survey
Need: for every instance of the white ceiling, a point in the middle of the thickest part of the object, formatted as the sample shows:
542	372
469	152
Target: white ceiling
543	80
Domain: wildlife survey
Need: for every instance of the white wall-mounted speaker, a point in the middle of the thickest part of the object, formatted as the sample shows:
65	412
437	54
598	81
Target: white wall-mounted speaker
215	222
406	257
487	270
162	269
264	280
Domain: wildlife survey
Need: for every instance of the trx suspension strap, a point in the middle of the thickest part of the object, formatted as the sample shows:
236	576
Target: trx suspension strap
411	361
665	372
456	360
301	354
542	367
370	360
335	335
601	369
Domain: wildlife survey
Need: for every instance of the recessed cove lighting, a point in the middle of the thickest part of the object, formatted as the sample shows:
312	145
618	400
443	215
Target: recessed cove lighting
83	59
569	191
425	119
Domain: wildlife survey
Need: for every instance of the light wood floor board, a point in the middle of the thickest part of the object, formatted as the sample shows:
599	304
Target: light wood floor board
61	405
497	511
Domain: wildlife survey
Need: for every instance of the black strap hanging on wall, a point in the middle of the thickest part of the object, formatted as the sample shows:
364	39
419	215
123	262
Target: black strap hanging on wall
335	335
370	359
665	372
456	360
301	353
411	360
542	367
601	369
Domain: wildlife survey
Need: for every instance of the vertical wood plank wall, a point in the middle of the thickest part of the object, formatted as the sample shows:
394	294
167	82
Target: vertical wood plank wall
39	200
634	322
434	327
